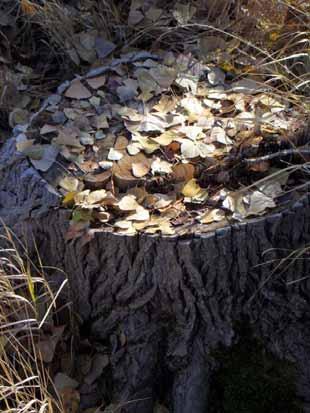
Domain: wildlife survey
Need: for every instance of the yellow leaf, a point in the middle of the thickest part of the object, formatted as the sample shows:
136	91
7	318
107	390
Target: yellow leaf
191	189
274	36
228	67
68	199
28	7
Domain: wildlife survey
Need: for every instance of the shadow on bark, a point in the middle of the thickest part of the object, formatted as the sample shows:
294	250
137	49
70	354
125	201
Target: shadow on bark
165	304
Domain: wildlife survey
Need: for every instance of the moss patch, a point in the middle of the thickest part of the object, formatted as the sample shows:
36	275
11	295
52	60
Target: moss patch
253	381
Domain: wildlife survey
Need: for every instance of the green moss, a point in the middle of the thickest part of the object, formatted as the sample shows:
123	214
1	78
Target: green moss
253	381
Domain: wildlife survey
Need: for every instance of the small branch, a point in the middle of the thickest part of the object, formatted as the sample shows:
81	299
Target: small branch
280	154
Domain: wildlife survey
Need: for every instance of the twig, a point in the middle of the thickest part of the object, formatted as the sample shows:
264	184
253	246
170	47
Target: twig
280	154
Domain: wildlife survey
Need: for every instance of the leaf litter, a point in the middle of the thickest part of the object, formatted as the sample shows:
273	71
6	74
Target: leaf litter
162	143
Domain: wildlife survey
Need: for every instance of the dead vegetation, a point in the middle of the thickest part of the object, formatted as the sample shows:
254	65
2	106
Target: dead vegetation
43	43
26	309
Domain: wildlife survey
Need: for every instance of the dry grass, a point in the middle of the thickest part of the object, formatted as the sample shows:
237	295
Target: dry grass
25	303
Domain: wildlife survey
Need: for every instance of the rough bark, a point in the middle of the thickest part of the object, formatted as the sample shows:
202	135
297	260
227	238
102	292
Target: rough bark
165	303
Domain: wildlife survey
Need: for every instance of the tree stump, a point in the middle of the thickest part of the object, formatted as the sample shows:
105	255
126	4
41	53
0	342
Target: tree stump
164	304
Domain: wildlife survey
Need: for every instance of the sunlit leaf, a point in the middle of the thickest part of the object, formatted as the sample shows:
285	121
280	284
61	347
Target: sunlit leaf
191	188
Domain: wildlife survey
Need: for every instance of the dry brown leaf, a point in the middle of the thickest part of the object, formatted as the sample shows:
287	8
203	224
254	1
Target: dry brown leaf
68	137
145	143
152	123
121	143
122	171
77	91
97	82
163	75
258	202
140	169
183	172
125	227
192	149
166	104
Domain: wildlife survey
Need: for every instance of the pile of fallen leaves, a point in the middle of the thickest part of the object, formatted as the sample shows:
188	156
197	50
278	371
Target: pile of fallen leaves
42	41
163	143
